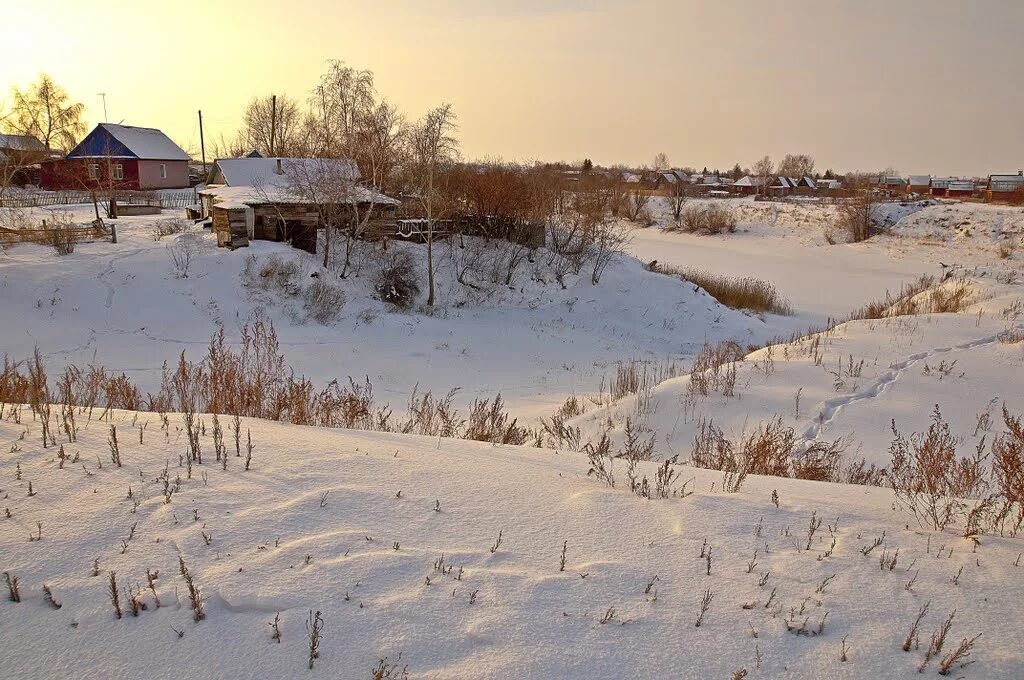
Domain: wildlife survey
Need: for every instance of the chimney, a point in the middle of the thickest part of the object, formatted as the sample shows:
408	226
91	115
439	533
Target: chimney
278	170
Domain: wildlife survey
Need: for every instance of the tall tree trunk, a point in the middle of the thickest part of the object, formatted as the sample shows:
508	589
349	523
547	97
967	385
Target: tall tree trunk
430	240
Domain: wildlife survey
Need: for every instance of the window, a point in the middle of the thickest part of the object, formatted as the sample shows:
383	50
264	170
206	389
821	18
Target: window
118	172
163	171
94	171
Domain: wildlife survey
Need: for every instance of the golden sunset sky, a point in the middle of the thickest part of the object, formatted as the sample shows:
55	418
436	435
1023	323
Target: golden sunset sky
928	86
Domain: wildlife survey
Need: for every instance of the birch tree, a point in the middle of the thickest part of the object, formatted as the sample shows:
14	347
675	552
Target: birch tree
433	148
46	112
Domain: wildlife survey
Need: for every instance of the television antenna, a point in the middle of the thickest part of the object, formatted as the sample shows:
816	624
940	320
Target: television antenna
104	96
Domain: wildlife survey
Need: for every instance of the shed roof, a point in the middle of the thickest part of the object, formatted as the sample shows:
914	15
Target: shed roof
256	171
920	180
251	195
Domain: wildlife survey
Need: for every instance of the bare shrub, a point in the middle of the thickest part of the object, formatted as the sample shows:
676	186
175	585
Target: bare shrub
395	283
275	272
707	219
62	239
169	227
929	480
323	301
608	241
181	254
718	219
1008	471
857	217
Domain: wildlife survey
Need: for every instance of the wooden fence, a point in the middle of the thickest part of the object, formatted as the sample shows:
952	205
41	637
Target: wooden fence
42	199
47	236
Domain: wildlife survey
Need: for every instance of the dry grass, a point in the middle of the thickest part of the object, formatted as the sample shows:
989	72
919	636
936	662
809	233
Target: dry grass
744	292
923	296
773	450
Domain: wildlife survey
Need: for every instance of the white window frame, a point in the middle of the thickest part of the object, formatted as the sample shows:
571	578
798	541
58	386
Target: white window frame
94	171
118	173
163	171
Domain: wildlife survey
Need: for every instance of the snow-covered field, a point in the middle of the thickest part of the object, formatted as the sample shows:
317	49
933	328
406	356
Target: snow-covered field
354	524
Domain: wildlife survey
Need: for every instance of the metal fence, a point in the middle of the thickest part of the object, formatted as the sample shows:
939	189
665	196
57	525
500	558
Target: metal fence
43	199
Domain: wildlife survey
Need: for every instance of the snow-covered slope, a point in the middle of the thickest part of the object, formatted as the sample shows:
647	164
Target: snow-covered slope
122	306
352	525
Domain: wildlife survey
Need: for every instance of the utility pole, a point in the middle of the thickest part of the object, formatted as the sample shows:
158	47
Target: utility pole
202	144
104	96
273	122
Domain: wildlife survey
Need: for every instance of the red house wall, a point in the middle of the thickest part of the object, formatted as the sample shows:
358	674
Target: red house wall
74	174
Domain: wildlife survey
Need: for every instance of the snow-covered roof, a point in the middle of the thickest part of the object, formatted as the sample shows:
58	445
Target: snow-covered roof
749	181
961	185
784	183
669	177
146	143
942	182
247	171
630	177
892	181
237	196
920	180
21	143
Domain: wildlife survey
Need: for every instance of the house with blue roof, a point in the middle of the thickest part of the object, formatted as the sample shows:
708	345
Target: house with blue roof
120	157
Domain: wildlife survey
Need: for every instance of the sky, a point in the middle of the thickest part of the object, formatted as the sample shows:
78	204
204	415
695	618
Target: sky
921	86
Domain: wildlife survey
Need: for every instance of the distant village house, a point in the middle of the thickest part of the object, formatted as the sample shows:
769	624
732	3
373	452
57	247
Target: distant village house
120	157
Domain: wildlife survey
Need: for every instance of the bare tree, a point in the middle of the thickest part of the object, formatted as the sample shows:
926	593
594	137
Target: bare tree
857	214
339	106
661	161
797	165
44	111
272	125
638	200
677	197
763	171
433	147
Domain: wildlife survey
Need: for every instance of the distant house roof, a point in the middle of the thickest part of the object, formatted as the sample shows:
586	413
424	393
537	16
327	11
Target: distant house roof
669	176
126	141
892	181
749	181
1006	182
828	183
784	183
256	171
630	177
961	185
808	182
21	143
942	182
920	180
255	153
